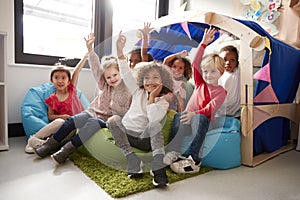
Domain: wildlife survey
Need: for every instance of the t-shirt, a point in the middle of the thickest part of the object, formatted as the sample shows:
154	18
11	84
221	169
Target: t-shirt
71	106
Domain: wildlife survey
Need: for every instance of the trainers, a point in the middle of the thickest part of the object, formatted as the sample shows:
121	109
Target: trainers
135	165
160	178
29	149
185	166
171	157
35	142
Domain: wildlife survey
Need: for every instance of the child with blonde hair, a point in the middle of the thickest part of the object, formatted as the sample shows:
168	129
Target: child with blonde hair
190	127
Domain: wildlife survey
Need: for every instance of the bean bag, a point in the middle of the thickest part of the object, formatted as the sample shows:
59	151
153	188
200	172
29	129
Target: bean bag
102	146
34	111
221	149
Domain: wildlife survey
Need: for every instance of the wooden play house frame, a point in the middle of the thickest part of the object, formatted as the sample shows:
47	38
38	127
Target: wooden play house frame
250	40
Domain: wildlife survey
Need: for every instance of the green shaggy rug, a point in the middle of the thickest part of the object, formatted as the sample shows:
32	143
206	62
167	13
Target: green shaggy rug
115	182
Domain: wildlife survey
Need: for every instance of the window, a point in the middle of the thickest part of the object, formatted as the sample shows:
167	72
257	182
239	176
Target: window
46	30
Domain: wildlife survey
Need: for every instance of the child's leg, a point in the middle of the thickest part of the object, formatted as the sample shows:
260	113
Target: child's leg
199	124
70	124
49	129
87	131
118	132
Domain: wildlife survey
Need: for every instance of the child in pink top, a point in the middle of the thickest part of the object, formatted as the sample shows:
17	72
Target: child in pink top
190	127
62	104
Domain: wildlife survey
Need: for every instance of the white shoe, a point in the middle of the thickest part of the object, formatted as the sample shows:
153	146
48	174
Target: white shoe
29	149
35	142
185	166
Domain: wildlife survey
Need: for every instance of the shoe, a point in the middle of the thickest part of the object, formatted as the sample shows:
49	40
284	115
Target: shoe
35	142
160	178
135	165
48	148
29	149
171	157
61	156
185	166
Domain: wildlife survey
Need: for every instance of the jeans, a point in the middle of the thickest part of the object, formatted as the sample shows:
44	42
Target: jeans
189	138
88	126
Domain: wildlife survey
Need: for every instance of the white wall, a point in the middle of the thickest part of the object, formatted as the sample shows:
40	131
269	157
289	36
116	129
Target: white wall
20	78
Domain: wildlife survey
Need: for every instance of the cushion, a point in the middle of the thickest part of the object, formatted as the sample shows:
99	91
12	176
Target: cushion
34	111
102	145
221	149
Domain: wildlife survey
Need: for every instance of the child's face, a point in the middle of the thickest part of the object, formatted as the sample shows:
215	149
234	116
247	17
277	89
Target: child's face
134	59
178	68
211	75
152	79
231	61
60	80
112	76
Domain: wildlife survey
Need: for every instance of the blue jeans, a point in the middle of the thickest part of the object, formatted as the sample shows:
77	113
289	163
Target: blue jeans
188	139
88	126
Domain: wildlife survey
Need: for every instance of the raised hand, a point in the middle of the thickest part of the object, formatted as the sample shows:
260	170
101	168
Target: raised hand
120	44
146	30
209	35
89	41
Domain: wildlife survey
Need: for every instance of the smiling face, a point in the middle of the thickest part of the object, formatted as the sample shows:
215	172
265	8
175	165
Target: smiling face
60	80
112	75
151	80
231	60
178	68
211	75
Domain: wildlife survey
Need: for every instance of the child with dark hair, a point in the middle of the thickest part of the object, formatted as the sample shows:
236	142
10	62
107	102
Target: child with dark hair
141	126
230	80
109	105
62	104
182	73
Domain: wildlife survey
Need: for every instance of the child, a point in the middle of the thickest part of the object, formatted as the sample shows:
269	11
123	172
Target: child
62	104
138	54
110	105
230	80
141	125
190	127
182	72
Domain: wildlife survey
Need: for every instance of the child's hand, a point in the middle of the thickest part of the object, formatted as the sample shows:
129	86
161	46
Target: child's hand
186	117
209	35
184	53
120	43
89	41
154	93
146	30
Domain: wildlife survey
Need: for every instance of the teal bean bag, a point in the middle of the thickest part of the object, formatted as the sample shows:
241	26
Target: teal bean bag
34	111
221	149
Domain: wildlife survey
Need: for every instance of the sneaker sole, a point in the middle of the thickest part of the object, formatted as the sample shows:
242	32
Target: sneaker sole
158	185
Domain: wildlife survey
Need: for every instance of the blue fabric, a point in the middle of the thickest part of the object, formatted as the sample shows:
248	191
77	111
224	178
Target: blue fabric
221	149
34	111
284	71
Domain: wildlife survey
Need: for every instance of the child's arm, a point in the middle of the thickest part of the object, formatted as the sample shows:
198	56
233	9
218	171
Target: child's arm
77	69
145	40
169	58
206	39
52	116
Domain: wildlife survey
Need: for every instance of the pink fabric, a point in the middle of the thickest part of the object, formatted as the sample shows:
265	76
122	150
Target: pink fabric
70	106
263	74
267	95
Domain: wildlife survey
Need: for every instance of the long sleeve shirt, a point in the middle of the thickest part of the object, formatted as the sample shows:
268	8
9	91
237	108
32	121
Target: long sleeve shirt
101	105
140	113
206	98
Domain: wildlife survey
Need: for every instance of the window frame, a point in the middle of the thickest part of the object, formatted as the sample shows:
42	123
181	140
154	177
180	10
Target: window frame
102	30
